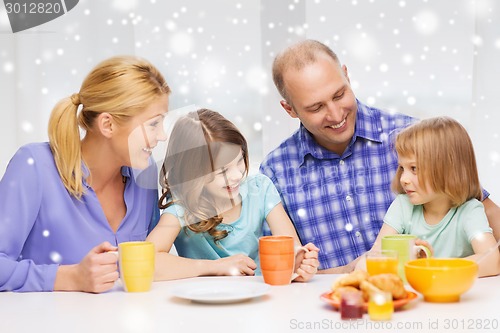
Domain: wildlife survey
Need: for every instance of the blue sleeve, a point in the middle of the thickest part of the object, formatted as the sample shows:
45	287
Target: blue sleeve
269	193
266	169
20	199
177	211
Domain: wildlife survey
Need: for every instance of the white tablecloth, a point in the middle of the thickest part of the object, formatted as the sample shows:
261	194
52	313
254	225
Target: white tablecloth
292	308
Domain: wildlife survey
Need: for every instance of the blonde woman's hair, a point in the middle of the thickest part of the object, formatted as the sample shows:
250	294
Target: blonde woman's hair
196	142
122	86
444	157
297	57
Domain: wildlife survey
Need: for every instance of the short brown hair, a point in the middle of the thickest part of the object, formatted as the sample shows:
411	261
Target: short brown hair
296	57
445	158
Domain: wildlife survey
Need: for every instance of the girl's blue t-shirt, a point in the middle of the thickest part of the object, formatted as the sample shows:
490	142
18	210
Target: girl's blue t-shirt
259	197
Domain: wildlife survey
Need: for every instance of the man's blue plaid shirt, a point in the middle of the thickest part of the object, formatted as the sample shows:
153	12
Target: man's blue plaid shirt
339	202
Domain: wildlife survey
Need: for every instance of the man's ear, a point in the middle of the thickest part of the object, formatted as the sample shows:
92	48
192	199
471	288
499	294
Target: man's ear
344	69
288	108
105	124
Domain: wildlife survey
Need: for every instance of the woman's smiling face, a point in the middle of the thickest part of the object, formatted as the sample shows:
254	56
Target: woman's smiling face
145	130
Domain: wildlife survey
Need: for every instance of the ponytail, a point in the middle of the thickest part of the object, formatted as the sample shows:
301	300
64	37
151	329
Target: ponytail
123	86
64	139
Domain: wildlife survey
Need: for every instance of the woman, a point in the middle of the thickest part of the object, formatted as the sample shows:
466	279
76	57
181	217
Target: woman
66	203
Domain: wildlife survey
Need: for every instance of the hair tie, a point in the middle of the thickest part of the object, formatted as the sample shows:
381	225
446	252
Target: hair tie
75	99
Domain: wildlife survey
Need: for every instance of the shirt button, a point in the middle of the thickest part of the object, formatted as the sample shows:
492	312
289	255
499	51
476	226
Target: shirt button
341	162
357	234
348	198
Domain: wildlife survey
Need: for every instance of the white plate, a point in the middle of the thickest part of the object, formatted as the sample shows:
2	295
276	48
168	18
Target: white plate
222	291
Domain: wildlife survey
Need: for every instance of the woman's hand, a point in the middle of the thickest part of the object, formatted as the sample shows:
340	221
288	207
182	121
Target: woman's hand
96	273
306	263
238	264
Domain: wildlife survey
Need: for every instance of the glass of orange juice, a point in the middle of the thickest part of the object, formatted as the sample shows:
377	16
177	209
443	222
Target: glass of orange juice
382	261
380	306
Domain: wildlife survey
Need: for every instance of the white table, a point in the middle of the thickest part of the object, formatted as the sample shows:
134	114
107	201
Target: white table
293	308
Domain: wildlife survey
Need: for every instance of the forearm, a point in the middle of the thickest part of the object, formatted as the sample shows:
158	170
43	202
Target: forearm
337	270
361	263
493	214
487	266
342	269
172	267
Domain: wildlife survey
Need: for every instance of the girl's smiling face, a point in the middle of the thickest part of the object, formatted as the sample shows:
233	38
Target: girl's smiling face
225	181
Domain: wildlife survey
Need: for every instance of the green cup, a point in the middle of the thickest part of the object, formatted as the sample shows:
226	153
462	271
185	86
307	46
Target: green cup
406	248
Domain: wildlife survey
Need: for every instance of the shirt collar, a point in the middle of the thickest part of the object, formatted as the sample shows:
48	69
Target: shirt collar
368	123
368	127
86	173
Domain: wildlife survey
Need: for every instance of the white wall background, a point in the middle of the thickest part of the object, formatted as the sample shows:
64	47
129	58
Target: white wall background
420	57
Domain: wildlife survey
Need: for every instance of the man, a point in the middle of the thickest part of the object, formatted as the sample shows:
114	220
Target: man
334	173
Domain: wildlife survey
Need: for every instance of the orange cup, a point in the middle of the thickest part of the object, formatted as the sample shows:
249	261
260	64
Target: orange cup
277	259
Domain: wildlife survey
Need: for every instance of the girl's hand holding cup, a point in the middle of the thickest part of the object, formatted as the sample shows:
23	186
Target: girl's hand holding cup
306	263
422	253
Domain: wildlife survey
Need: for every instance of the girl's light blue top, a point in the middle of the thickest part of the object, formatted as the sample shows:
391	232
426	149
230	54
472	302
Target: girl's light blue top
259	197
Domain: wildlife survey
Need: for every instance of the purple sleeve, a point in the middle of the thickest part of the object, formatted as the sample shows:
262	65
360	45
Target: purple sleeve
20	198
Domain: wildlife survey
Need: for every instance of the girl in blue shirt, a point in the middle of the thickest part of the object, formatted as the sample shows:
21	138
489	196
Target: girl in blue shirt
213	210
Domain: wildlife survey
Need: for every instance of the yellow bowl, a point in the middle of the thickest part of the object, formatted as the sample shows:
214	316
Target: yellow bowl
441	279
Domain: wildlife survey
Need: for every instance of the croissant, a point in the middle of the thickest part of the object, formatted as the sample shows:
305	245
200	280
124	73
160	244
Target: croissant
367	288
367	284
336	295
353	279
391	283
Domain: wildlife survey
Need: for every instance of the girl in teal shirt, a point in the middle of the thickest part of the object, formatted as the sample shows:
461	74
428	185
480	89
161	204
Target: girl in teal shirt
214	211
439	194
